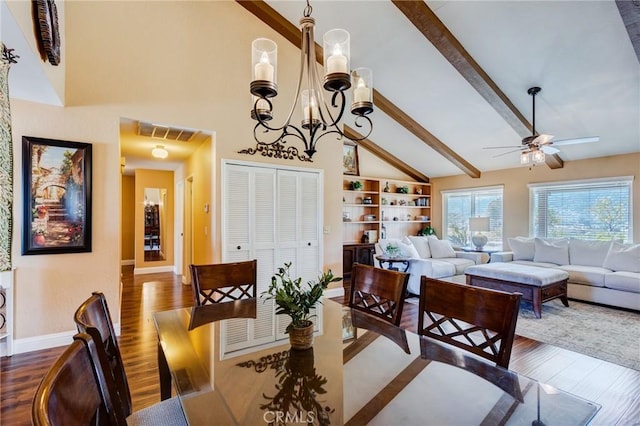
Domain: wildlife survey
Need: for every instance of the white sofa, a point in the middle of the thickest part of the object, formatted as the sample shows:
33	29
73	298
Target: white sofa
606	272
428	256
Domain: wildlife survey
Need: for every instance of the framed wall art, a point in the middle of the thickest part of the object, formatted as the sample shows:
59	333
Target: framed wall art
57	196
350	159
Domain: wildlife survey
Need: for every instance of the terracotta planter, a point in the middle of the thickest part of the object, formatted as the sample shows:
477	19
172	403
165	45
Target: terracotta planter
301	338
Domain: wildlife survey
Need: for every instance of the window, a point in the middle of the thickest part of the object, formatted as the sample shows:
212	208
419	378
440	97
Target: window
598	209
460	205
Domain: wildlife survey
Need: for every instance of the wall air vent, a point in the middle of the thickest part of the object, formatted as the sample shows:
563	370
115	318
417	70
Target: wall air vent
165	132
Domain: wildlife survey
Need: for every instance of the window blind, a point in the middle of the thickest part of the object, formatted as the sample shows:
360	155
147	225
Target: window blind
460	205
593	209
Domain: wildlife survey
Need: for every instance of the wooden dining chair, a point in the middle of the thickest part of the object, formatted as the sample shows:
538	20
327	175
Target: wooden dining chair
376	300
223	291
74	390
474	319
93	318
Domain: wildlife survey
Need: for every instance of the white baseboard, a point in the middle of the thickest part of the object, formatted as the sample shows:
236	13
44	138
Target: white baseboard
334	292
127	262
152	270
54	340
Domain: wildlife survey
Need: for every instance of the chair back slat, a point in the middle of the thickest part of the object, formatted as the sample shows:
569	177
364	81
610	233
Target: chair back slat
478	320
93	318
223	291
75	390
376	298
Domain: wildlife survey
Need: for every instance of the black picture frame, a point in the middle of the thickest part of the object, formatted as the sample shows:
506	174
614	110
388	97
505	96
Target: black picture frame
56	196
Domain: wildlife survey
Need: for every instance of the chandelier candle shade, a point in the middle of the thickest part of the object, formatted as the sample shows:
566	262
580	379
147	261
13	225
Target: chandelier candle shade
319	117
478	225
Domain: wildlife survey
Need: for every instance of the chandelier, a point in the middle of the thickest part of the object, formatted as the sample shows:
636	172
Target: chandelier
319	118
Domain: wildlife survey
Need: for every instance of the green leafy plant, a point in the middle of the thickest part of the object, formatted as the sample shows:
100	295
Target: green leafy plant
356	185
294	298
393	250
427	230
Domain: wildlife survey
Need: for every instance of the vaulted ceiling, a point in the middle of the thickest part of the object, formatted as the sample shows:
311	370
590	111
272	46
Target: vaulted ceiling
451	77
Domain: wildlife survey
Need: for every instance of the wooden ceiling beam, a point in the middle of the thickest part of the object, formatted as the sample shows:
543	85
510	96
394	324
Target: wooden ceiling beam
426	21
385	155
630	13
273	19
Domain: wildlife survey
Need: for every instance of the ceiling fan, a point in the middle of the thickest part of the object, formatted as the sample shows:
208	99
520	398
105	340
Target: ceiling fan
535	147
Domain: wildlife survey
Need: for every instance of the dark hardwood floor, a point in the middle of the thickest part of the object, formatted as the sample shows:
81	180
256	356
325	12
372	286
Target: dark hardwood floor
616	388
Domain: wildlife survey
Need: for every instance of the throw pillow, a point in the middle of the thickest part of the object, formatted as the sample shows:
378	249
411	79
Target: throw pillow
623	257
551	251
588	253
408	250
441	249
523	248
422	246
394	247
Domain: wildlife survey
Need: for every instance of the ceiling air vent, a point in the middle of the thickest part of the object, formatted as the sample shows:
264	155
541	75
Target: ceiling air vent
165	132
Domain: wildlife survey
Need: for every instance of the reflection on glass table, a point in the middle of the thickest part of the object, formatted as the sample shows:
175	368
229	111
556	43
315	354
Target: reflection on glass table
370	380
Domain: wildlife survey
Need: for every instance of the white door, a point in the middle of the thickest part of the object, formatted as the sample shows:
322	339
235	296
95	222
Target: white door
272	215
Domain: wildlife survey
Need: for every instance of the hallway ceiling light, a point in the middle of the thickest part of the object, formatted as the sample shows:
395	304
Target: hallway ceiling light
159	152
318	117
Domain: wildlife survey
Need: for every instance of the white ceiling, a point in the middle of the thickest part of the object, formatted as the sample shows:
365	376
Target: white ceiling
579	52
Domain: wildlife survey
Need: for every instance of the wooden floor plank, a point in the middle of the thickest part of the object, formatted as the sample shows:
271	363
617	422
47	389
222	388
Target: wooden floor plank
616	388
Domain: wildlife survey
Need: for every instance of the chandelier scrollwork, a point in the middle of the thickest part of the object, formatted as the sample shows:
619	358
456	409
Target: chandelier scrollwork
319	118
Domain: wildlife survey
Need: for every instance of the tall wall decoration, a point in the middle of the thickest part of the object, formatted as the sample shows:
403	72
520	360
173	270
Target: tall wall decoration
6	159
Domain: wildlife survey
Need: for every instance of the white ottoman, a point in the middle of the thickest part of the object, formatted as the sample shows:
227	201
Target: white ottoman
537	285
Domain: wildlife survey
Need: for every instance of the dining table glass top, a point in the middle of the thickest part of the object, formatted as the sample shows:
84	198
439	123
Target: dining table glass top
365	380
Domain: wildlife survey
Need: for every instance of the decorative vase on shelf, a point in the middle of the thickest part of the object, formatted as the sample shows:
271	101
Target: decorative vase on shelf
386	188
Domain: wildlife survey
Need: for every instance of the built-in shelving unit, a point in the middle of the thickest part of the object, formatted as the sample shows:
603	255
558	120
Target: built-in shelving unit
383	206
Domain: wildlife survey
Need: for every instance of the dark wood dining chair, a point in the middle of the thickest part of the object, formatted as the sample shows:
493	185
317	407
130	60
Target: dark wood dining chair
74	391
474	319
93	318
223	291
376	300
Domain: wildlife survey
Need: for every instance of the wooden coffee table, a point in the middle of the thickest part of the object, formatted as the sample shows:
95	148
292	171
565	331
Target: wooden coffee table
537	285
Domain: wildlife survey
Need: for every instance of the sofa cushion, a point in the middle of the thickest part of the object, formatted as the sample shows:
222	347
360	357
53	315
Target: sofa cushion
551	251
537	264
422	246
461	264
441	249
404	245
588	253
590	275
623	257
523	248
626	281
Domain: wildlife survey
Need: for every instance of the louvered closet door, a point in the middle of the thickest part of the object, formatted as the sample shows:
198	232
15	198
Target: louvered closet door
249	233
298	230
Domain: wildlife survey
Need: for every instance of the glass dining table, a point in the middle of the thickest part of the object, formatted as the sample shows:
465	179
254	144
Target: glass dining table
365	380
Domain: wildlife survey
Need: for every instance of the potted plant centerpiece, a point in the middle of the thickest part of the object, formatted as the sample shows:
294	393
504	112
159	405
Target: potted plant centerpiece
296	299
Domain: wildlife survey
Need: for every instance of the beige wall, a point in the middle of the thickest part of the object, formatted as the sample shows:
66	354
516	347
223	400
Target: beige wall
163	62
516	193
128	218
164	181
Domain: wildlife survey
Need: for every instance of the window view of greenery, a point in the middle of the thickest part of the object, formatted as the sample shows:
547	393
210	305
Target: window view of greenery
594	210
461	205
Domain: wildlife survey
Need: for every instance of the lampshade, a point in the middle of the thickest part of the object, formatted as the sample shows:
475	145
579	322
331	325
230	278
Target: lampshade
159	152
478	224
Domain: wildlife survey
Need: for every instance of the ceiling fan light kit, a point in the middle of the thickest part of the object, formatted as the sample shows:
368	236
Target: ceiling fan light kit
535	147
319	117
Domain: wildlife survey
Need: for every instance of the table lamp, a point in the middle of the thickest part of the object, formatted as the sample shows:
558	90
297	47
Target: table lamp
478	225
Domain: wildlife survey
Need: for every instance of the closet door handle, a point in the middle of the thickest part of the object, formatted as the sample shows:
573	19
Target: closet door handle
238	247
309	244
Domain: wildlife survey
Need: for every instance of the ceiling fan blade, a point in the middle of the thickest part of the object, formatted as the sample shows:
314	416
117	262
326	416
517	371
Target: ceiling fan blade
509	152
542	140
549	149
503	147
573	141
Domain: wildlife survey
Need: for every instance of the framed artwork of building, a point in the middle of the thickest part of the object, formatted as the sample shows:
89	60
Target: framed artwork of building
57	196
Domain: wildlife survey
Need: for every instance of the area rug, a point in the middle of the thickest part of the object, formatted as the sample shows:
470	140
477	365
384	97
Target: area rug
608	334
